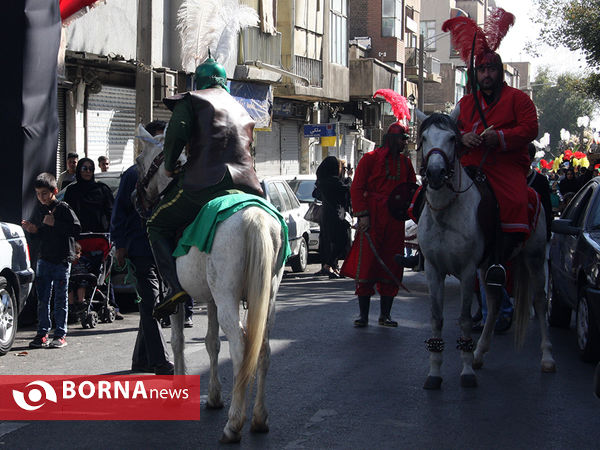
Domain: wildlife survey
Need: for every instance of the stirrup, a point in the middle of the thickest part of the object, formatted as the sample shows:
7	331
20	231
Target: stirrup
495	275
169	306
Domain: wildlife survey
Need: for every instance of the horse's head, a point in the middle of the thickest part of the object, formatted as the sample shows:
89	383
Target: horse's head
439	140
152	179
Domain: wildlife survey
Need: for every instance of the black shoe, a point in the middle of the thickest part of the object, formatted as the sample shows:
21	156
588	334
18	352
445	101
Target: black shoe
165	369
143	369
165	322
118	316
361	322
503	324
387	322
495	275
334	276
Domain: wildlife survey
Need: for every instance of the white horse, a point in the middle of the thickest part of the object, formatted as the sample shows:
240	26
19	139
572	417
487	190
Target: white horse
452	243
245	264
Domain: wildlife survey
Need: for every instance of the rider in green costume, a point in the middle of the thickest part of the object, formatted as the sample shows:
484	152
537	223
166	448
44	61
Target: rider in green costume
217	131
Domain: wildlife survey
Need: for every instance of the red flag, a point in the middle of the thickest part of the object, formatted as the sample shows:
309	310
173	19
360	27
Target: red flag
70	7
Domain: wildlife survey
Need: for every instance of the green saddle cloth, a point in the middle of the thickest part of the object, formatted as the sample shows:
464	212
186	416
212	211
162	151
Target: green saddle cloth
201	232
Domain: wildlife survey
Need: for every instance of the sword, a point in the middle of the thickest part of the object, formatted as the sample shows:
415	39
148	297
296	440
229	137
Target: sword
382	264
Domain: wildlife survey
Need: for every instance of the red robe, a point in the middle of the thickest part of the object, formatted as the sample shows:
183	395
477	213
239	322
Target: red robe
377	174
515	122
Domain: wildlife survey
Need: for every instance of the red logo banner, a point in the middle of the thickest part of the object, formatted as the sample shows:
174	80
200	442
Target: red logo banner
99	397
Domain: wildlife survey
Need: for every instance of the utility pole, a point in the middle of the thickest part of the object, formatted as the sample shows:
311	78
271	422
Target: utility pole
144	75
421	84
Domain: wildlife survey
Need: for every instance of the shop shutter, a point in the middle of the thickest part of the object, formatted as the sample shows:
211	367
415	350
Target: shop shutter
111	126
290	147
61	155
161	112
267	152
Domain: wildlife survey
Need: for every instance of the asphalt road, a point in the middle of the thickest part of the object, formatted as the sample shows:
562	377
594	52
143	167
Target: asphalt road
333	386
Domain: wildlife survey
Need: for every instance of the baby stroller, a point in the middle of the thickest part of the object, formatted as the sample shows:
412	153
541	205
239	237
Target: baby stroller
91	272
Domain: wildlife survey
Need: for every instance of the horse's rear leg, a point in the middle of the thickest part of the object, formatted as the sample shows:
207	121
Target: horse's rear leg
465	342
213	346
260	423
435	344
178	340
229	320
539	303
493	296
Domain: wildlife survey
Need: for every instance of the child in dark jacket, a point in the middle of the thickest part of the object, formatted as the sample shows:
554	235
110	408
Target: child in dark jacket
56	226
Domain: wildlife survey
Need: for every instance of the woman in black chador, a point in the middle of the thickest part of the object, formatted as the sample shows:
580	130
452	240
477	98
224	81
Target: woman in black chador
334	191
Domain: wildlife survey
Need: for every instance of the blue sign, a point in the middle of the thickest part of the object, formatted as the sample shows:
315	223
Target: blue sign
320	130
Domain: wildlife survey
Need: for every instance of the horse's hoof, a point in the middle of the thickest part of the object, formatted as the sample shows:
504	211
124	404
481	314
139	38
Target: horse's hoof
468	380
214	405
549	367
259	427
230	438
477	364
433	383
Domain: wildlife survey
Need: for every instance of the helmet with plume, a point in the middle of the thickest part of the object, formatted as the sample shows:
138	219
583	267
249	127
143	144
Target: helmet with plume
209	74
399	108
481	44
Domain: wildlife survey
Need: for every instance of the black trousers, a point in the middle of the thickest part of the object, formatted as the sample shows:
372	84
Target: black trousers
150	349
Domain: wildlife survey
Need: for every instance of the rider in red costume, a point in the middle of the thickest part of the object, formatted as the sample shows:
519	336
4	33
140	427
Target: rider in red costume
513	117
377	174
497	122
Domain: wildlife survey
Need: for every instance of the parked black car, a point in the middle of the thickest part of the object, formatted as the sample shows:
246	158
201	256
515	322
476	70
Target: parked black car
575	269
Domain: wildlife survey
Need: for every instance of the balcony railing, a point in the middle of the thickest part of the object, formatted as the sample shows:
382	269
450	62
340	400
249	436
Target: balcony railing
309	68
258	46
431	65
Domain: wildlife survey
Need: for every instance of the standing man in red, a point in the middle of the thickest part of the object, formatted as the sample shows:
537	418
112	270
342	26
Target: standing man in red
497	133
378	173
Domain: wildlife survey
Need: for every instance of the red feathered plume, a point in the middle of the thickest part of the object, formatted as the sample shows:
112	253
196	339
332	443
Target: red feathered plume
496	26
463	29
398	102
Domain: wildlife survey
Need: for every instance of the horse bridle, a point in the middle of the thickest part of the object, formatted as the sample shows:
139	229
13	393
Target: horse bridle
142	203
449	167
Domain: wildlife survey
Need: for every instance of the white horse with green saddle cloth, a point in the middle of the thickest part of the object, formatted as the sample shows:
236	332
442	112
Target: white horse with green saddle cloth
231	257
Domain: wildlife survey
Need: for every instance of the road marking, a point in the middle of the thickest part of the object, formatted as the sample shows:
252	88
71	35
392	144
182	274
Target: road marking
9	427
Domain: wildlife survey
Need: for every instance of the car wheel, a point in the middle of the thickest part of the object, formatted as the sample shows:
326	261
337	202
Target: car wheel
587	332
8	317
559	314
298	262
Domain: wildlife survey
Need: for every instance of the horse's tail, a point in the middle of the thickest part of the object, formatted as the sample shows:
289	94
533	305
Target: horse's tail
260	262
522	299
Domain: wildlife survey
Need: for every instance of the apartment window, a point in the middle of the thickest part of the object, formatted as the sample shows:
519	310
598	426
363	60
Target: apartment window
338	32
391	18
428	29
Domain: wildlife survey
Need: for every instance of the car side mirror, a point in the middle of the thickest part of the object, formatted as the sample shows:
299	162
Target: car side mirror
564	226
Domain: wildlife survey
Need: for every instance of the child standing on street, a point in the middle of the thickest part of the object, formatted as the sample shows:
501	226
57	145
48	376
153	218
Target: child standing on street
56	226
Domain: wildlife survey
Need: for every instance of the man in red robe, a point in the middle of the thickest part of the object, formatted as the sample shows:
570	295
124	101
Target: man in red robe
377	174
512	121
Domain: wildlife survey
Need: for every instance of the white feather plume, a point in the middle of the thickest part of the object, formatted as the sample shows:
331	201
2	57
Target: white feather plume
214	24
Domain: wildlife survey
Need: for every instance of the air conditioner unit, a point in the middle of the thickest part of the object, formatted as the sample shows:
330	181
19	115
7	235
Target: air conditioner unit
371	115
164	84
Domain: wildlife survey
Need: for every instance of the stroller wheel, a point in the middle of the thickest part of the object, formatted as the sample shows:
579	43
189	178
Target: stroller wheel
91	320
108	314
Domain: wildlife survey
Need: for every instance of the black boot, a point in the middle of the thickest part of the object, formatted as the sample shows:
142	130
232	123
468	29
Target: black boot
386	309
407	261
505	246
364	301
162	251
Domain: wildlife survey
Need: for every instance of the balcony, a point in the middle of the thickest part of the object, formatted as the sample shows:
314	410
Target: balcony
368	75
311	69
257	47
431	67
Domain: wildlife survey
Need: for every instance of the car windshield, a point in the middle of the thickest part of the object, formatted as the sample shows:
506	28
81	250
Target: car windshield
303	189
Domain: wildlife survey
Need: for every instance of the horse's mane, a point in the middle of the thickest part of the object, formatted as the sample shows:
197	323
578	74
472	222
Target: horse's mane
443	121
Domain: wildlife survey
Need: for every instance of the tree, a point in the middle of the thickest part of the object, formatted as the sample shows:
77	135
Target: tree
559	101
574	24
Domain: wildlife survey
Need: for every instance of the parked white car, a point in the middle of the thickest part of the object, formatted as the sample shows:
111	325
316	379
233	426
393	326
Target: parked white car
278	192
16	279
303	186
